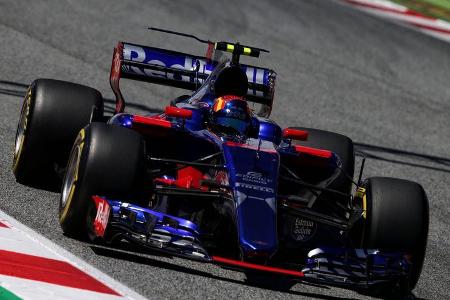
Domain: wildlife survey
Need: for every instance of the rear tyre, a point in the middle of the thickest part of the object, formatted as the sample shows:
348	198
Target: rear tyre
342	146
106	160
52	114
397	220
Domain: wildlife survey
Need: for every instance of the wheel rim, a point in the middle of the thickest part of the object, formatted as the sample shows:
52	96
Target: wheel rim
71	177
22	128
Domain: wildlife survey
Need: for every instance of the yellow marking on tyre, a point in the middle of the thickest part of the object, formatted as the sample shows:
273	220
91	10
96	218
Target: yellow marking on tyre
82	134
80	137
364	214
361	194
24	114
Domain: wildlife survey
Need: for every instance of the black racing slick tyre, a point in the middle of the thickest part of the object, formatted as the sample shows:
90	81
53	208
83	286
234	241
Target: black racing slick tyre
105	160
52	114
342	146
397	220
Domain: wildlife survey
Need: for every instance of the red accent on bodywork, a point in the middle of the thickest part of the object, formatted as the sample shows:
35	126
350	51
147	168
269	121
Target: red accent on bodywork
209	52
234	144
295	134
251	266
164	181
151	121
49	270
313	151
114	77
177	112
3	225
189	177
102	216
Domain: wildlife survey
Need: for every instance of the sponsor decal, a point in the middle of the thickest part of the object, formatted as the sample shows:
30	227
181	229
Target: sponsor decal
255	187
254	177
160	58
183	62
102	216
303	229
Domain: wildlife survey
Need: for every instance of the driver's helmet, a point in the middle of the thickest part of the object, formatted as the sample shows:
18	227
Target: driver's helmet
230	114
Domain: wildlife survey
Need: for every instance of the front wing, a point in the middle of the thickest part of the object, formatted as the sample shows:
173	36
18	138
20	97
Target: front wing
349	268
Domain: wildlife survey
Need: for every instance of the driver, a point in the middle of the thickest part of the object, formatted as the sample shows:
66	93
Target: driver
230	115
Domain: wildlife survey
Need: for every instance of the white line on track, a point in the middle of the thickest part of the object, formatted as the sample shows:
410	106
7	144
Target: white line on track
20	239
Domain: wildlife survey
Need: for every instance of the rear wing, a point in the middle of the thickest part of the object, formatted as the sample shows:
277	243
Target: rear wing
178	69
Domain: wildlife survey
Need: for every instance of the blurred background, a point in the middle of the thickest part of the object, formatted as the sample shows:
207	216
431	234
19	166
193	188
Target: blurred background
384	85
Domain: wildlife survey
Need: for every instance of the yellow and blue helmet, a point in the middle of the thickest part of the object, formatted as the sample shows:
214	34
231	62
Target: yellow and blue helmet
231	114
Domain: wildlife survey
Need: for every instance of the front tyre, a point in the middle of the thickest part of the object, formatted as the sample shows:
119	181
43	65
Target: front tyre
397	219
105	160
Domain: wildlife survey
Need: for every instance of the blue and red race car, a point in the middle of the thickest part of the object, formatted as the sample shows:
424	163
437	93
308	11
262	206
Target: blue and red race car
214	179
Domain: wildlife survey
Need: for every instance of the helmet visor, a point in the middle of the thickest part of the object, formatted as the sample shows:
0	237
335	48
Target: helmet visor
239	125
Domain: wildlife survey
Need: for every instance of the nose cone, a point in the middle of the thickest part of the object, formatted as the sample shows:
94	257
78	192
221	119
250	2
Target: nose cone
253	170
257	224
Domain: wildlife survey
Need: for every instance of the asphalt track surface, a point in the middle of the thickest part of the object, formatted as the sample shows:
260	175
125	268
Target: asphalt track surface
379	83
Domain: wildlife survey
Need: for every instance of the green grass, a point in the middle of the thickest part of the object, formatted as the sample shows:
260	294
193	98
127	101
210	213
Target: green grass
7	295
434	8
441	3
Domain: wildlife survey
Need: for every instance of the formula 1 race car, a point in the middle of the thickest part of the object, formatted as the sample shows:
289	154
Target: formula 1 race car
213	179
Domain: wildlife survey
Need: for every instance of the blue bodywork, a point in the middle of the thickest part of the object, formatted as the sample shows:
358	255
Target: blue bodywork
157	230
252	176
252	166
